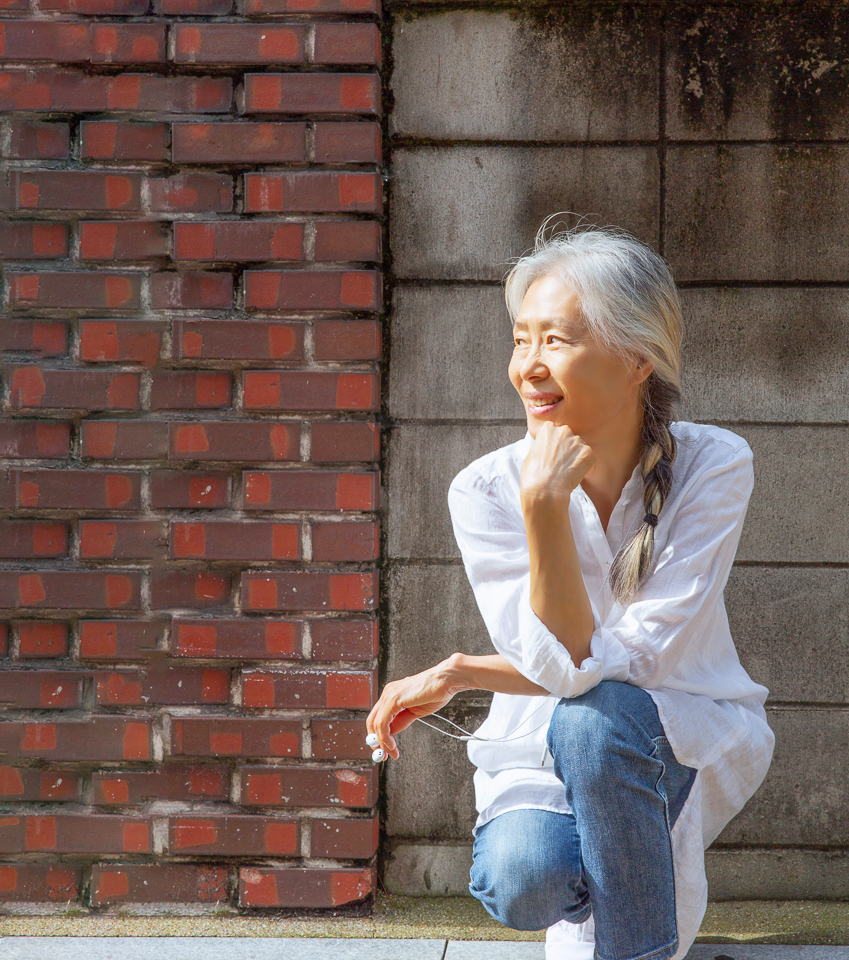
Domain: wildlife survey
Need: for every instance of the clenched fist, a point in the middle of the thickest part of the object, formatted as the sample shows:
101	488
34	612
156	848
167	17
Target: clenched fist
557	462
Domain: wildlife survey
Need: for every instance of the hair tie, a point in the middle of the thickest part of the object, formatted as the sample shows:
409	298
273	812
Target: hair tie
650	519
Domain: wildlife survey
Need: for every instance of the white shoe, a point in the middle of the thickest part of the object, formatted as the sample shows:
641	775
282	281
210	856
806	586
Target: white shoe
570	941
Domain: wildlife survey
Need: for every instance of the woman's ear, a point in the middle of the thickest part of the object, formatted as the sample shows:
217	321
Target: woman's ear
641	370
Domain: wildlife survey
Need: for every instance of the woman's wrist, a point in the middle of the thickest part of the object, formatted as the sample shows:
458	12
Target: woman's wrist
457	672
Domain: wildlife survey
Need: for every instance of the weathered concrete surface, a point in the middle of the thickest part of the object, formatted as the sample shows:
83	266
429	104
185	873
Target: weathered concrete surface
423	460
429	869
778	874
798	509
758	213
563	74
779	354
461	212
791	627
450	350
738	73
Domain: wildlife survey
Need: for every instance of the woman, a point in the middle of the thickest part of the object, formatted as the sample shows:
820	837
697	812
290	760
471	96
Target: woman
624	733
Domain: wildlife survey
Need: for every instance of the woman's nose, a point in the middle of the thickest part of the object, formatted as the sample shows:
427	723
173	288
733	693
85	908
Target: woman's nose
533	365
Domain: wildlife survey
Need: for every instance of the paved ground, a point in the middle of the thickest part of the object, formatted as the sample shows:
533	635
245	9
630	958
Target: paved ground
252	948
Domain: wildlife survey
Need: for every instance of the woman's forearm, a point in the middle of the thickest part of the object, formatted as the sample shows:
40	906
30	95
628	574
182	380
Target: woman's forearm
558	595
492	673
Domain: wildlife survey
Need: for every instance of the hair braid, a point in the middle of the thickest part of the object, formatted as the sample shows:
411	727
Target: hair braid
635	560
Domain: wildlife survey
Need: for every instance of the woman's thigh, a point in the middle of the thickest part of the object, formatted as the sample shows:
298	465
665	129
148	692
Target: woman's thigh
527	869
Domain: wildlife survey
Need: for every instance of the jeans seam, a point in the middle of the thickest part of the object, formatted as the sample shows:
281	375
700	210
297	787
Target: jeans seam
672	945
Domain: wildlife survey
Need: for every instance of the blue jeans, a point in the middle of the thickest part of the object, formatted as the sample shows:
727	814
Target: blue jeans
612	856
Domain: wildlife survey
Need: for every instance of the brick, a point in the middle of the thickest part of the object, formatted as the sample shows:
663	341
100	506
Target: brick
175	781
35	439
239	242
347	43
70	590
30	784
344	640
347	142
40	689
124	439
33	386
82	42
307	689
231	836
163	684
239	43
38	140
123	240
345	442
26	240
191	291
120	639
95	739
313	390
33	882
303	887
190	589
347	240
96	7
234	440
339	740
118	140
244	142
158	883
74	91
303	590
237	340
235	540
309	490
237	639
235	737
347	340
29	539
195	7
76	833
75	291
77	490
298	786
345	540
45	338
311	93
192	193
188	490
313	290
130	341
4	639
313	191
189	390
74	190
349	839
253	7
122	539
42	639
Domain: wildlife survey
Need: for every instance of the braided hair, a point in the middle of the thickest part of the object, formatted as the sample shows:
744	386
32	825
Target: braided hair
631	307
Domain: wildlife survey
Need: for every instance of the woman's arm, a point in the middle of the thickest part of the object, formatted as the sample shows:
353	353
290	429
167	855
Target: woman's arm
402	701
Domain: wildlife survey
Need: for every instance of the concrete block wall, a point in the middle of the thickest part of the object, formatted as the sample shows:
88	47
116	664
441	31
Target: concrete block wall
719	135
190	223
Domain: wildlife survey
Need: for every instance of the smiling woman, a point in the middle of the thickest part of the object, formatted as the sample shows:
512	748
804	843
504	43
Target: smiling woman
623	733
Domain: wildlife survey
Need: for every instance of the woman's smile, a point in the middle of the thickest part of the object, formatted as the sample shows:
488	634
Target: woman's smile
540	404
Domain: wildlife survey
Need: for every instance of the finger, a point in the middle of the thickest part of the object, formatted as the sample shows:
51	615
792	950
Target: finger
386	711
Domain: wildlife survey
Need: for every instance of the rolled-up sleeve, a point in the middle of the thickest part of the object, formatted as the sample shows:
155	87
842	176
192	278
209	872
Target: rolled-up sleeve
641	643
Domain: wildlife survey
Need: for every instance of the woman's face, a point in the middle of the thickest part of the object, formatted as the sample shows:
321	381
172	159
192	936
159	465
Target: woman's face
560	372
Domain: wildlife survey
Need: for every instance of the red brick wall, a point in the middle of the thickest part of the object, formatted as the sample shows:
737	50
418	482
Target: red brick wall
190	224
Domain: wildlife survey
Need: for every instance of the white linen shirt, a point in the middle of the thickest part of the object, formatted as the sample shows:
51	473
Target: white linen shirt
673	639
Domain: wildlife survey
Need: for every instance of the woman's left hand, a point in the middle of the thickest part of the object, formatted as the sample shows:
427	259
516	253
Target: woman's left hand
403	701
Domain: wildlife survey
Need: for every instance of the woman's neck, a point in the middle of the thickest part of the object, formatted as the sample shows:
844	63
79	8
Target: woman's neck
617	452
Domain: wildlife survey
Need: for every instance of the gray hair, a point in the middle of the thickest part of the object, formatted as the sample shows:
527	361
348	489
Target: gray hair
631	308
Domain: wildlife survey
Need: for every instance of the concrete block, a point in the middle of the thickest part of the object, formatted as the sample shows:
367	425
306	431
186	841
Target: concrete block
450	349
460	212
797	513
562	73
804	799
422	460
743	73
768	354
757	213
788	623
429	869
763	951
784	874
429	788
471	950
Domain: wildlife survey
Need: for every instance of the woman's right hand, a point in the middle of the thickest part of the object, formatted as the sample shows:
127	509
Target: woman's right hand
556	463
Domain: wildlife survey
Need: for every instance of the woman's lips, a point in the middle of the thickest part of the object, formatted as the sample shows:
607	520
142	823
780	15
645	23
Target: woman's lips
541	407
